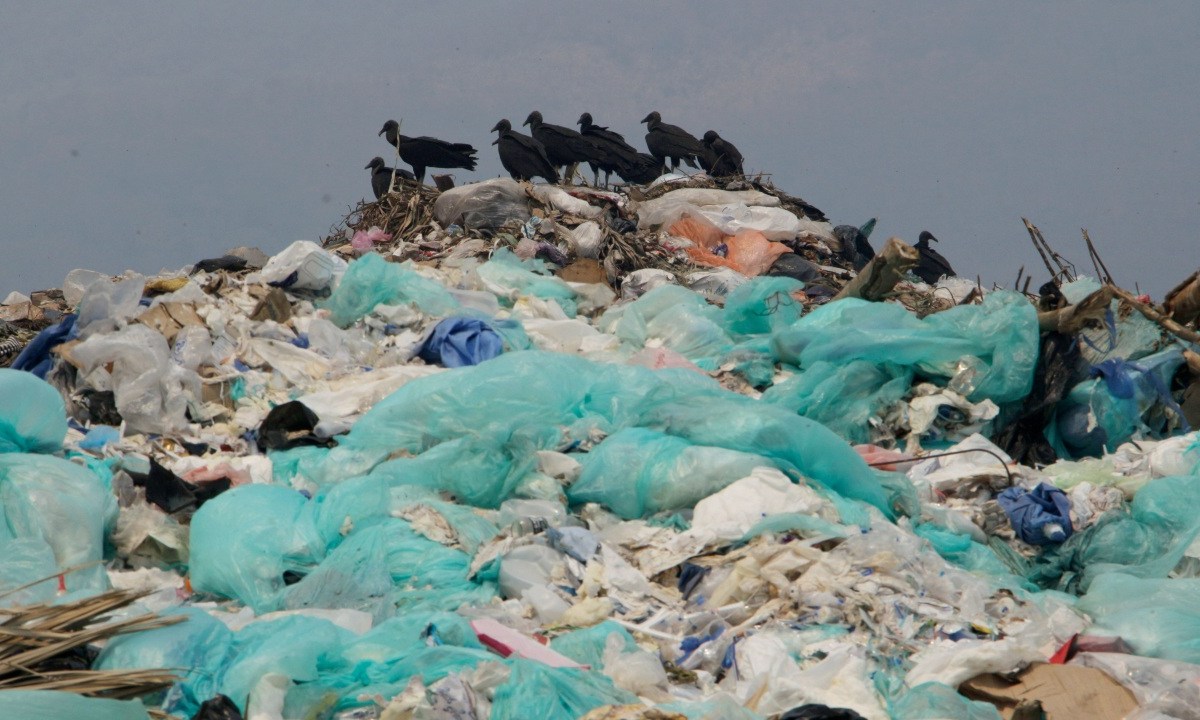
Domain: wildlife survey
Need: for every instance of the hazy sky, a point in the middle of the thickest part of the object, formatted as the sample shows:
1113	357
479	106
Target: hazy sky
147	134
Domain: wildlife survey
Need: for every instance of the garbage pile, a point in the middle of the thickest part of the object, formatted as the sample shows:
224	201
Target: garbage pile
513	451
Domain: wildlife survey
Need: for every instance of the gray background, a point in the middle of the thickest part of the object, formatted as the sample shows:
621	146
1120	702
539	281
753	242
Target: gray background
147	135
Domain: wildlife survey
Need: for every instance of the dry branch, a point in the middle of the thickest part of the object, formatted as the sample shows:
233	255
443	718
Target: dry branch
1183	301
877	280
1165	322
1073	318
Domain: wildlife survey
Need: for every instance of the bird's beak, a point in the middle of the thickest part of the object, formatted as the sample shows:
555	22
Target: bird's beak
579	121
645	119
367	166
495	128
381	132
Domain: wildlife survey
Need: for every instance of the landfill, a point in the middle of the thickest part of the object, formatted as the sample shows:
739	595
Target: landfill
515	450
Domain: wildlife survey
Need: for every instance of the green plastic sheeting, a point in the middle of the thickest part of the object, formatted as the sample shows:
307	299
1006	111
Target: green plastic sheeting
586	645
475	431
55	705
371	281
509	277
936	701
761	306
990	349
844	397
1158	618
52	505
683	320
244	540
637	472
32	416
538	691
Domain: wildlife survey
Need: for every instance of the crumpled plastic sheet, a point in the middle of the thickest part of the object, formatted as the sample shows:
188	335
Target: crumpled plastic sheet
57	705
372	281
509	278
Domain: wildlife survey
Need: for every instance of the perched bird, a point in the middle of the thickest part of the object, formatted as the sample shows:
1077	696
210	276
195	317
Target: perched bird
932	266
722	159
426	152
612	152
856	249
522	156
564	146
668	141
641	169
381	176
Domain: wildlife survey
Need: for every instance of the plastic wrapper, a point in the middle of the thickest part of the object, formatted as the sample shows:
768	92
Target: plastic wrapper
32	416
586	239
372	281
106	304
483	205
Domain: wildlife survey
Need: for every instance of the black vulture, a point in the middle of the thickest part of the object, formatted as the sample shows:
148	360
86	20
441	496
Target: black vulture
426	152
668	141
856	249
564	146
932	266
522	156
612	152
381	176
641	169
722	159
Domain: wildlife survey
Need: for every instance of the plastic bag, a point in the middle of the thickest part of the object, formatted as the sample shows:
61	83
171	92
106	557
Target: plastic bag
586	240
32	416
845	397
534	690
1040	516
587	645
483	205
509	278
935	701
680	318
106	304
1158	618
762	305
56	705
986	351
638	472
303	266
152	393
59	505
749	251
372	281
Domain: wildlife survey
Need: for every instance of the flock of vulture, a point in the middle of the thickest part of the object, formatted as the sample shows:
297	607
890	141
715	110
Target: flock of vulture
554	152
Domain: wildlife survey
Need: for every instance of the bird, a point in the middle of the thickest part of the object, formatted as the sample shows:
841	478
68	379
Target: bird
612	152
722	159
668	141
521	155
381	176
932	266
856	249
426	152
641	169
564	146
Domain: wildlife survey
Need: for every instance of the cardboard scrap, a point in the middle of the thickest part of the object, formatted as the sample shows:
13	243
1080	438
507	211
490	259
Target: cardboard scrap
169	318
1066	692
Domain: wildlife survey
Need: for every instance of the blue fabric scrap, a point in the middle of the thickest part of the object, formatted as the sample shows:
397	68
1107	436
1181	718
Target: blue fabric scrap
461	341
1040	516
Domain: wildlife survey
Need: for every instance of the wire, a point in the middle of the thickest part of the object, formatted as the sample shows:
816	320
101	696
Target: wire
947	453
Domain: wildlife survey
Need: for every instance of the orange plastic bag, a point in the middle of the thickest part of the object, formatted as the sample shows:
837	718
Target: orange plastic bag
750	252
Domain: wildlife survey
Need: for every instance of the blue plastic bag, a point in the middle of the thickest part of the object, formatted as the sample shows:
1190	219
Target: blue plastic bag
1040	516
35	358
461	341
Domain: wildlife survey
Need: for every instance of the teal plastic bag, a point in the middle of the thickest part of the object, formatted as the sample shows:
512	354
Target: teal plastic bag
62	506
936	701
586	645
371	280
1158	618
683	320
637	472
509	277
762	305
538	691
244	540
55	705
32	416
198	650
303	648
844	398
990	349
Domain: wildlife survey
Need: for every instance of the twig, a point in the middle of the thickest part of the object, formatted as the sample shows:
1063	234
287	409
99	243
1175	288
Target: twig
1097	260
1150	313
1033	235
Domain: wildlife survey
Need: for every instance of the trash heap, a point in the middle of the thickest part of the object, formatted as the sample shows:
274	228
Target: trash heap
514	451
